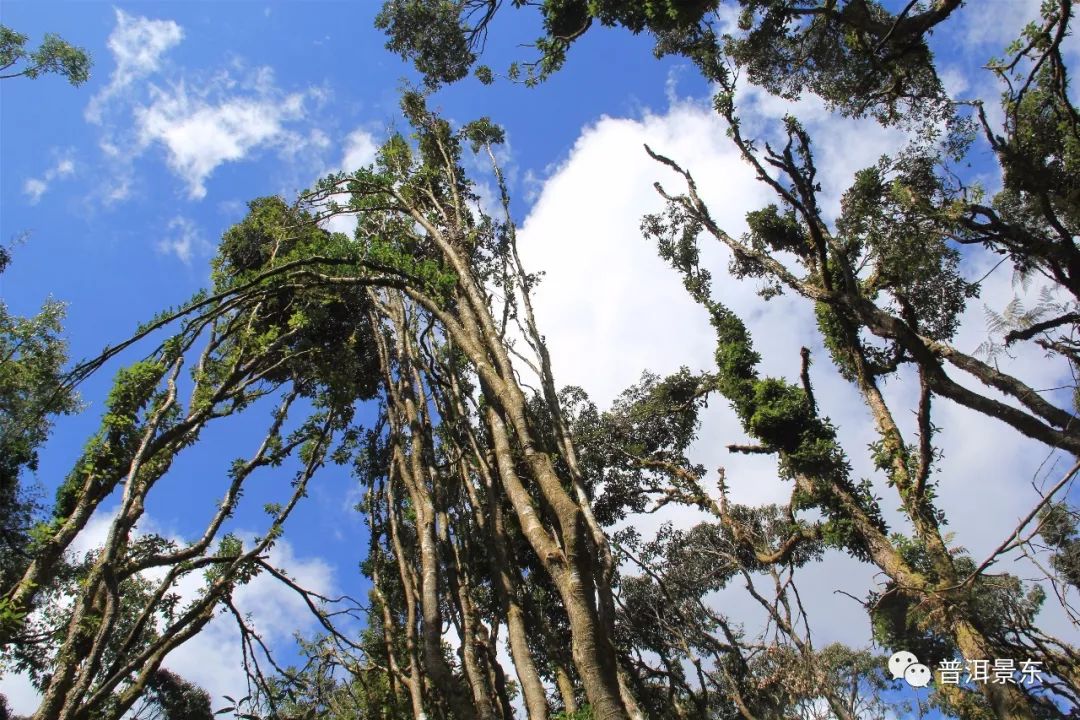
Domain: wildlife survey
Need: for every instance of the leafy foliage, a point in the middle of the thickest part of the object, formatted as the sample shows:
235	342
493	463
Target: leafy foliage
54	55
33	354
856	55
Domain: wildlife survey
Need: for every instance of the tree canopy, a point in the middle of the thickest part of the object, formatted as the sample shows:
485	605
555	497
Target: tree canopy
54	55
499	505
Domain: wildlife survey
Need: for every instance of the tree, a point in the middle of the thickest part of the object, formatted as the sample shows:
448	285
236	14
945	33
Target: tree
32	357
170	697
856	55
54	55
465	524
415	214
260	335
884	279
32	352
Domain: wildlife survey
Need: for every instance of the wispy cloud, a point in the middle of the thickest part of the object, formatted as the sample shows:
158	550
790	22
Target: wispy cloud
201	119
182	240
34	188
137	45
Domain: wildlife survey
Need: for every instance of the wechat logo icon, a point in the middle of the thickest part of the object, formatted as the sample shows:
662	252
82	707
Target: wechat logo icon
905	665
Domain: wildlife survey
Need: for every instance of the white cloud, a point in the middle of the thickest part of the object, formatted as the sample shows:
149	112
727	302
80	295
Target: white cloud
998	28
360	150
182	240
34	188
318	139
119	190
982	35
212	659
616	307
992	31
137	45
22	696
201	119
200	134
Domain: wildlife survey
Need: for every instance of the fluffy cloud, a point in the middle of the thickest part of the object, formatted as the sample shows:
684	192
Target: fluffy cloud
617	306
609	305
34	188
22	696
360	149
201	131
212	659
993	31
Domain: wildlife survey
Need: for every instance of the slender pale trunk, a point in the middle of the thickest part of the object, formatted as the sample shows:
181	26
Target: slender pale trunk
408	589
389	629
470	657
505	581
413	469
430	610
503	577
573	566
591	648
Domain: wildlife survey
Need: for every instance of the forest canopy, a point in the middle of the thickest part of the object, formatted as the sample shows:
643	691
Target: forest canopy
385	324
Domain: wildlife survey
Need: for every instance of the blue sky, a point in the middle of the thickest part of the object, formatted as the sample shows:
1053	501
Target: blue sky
123	186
